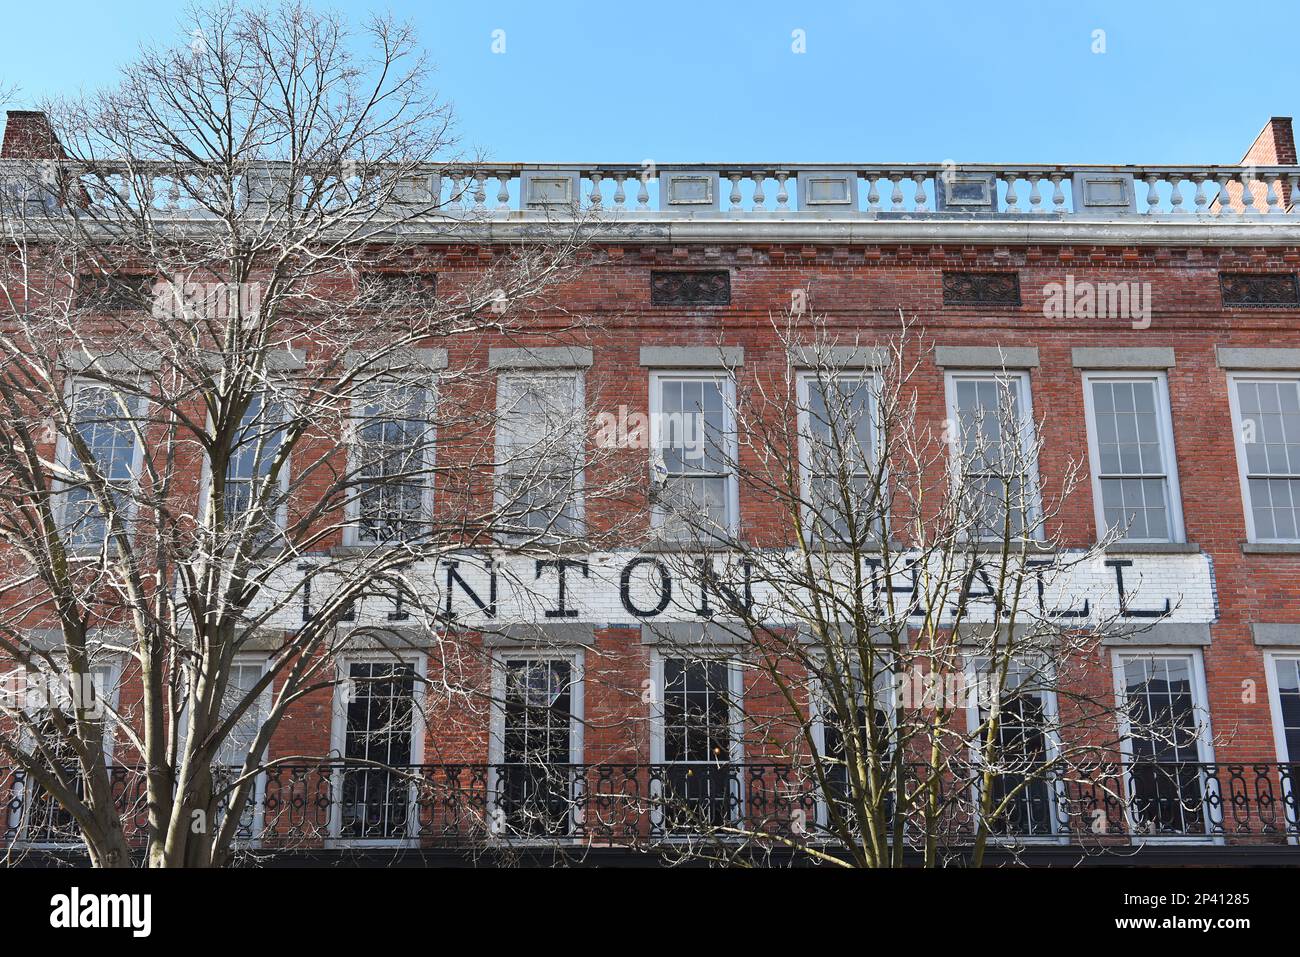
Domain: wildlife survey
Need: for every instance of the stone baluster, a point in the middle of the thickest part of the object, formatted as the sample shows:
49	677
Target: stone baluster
595	195
480	189
921	198
1273	201
1176	193
643	192
782	194
759	196
896	197
620	197
1035	197
873	194
1225	201
1295	193
1013	198
503	189
1058	194
734	198
1247	180
1153	197
1202	203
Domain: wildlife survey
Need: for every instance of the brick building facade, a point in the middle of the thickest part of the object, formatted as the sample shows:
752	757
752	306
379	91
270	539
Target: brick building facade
997	270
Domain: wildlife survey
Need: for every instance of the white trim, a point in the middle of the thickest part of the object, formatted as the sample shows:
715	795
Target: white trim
357	421
578	377
497	719
63	456
1204	732
1027	424
803	383
1173	493
1052	747
1243	474
727	384
1288	803
338	742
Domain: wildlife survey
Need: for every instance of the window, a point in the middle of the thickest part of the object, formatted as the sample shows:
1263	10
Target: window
1025	798
106	420
537	742
393	462
837	682
838	449
697	743
1266	413
252	456
1285	701
377	731
540	452
1130	440
35	816
994	459
1166	735
694	454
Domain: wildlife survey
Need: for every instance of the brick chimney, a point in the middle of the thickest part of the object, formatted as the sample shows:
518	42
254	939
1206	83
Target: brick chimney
1274	146
28	135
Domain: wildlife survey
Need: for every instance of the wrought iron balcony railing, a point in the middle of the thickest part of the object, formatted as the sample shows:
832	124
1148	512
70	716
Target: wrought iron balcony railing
461	805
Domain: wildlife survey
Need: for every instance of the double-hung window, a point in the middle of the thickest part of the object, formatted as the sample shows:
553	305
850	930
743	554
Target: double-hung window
1131	447
537	741
697	742
35	816
1024	797
540	436
392	462
378	731
1266	413
253	456
108	421
838	448
1166	740
851	725
694	451
1285	700
991	428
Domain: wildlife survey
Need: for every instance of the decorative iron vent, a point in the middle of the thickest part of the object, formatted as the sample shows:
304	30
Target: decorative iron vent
114	292
981	289
1273	290
396	290
711	288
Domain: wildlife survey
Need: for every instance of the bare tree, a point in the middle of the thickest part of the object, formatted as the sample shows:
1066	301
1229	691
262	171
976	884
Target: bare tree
901	646
230	389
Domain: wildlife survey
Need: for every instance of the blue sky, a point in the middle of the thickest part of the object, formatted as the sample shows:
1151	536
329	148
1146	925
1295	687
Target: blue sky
1011	81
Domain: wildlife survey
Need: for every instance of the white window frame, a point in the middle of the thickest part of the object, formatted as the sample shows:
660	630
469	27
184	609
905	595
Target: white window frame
1204	736
817	717
19	825
1173	494
1052	742
1291	788
1243	473
577	712
63	455
257	800
1027	424
873	382
736	727
281	511
658	515
352	512
338	743
578	378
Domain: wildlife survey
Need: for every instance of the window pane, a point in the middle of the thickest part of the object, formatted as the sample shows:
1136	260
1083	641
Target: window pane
375	801
393	457
106	422
541	449
1164	779
693	447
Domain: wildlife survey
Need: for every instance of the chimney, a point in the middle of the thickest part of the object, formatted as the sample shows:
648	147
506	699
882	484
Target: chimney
28	135
1274	146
